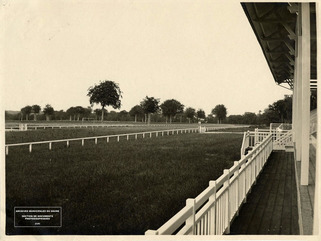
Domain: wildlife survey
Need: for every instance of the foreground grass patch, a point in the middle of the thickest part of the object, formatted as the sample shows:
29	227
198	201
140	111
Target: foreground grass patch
117	188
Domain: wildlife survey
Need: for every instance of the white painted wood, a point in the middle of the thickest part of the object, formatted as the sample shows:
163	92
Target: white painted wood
317	207
305	75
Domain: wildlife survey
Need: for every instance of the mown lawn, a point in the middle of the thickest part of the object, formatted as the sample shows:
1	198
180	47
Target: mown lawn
57	134
116	188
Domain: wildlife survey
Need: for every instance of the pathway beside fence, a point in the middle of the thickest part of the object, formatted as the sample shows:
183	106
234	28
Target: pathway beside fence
272	206
212	211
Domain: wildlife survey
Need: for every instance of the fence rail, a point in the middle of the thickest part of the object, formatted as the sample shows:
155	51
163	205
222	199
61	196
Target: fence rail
212	211
107	137
25	127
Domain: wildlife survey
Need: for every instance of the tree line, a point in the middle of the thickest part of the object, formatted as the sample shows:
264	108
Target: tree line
108	93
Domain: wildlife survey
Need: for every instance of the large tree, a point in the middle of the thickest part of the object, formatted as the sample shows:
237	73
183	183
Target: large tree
200	114
36	110
190	113
107	93
72	113
283	108
150	105
26	111
48	111
136	111
170	108
220	113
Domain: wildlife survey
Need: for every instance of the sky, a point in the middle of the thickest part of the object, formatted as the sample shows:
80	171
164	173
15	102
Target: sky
202	53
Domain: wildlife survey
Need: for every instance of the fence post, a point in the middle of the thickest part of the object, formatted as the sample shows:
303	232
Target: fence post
96	141
107	139
143	135
117	138
49	145
30	148
212	198
82	142
156	133
150	135
67	143
127	137
191	220
135	136
7	150
228	206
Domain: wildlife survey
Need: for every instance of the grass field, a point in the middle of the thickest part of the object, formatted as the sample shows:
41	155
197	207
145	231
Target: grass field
56	134
115	188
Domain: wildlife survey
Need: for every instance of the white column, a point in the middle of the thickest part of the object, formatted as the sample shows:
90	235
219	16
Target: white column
305	132
298	99
317	209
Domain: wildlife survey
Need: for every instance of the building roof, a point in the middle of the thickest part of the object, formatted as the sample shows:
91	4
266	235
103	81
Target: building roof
274	25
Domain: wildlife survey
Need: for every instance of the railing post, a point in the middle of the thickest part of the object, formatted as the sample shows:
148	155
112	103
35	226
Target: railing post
67	143
49	145
237	185
255	136
212	198
127	137
117	138
244	166
30	148
82	142
228	203
150	135
96	141
191	220
135	136
7	150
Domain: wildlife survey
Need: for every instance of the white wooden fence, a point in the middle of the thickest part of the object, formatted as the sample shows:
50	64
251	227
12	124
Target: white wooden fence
212	211
26	126
107	138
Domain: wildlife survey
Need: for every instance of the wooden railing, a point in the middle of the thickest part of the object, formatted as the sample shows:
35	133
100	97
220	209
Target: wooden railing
212	211
107	138
26	126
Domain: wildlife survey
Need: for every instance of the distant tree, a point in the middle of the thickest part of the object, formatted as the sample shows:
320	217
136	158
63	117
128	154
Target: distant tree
249	118
59	115
150	105
99	114
136	111
79	111
235	119
72	113
26	111
220	112
107	93
283	108
123	116
170	108
48	111
190	114
200	114
87	112
35	110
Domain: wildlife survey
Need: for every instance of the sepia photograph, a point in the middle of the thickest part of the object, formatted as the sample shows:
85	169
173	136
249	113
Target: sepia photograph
131	119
